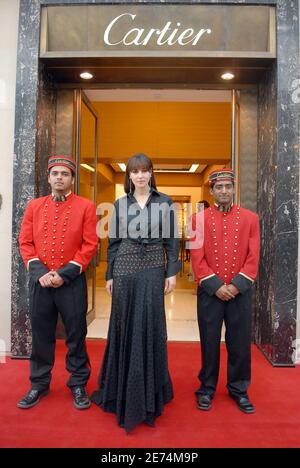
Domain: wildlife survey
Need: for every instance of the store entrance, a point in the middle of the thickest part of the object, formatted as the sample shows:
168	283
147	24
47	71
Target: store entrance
187	134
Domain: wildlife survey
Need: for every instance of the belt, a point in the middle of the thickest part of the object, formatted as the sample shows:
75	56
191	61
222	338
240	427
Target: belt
142	243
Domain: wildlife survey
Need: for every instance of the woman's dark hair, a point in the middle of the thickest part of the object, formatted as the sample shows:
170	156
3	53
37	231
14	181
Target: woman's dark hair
138	161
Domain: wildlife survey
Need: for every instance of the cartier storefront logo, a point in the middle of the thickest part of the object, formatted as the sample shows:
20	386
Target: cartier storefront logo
169	34
158	30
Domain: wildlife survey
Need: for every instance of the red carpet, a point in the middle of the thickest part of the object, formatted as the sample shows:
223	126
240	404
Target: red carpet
56	423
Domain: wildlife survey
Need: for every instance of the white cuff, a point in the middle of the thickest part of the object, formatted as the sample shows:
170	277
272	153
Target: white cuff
248	277
31	260
206	277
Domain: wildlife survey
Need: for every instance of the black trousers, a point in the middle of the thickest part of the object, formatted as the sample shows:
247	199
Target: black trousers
45	303
236	315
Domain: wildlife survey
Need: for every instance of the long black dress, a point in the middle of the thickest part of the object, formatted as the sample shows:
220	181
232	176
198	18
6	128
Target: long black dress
134	381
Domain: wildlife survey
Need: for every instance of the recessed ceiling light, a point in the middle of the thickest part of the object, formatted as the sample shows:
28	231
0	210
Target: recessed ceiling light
86	75
122	166
194	167
227	76
88	167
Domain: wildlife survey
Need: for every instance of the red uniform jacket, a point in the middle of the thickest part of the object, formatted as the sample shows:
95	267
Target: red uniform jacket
229	246
59	235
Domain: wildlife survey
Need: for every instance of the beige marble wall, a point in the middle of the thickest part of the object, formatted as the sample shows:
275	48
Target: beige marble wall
9	18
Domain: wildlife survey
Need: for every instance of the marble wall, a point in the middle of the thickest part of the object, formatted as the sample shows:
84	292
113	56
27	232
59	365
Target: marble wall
278	189
297	345
267	154
278	175
24	164
248	165
248	148
34	139
46	128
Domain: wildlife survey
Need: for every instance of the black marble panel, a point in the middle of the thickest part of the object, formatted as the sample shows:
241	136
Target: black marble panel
24	164
278	193
34	141
46	128
267	154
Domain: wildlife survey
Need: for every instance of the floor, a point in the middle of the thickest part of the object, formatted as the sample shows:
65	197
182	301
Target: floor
181	315
181	307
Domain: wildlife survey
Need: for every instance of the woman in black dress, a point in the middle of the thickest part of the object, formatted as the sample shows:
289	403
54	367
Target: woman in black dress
134	381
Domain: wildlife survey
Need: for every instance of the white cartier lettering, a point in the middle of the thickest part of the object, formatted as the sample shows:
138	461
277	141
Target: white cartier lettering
168	35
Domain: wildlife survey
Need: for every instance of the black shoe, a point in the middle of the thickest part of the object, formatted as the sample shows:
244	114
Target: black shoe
204	401
81	398
243	403
32	398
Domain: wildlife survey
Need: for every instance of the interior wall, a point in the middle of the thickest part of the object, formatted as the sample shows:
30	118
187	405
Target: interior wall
106	194
64	121
86	184
206	195
194	192
9	16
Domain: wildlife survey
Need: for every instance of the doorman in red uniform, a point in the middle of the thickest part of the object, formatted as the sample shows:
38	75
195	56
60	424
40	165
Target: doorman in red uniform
225	262
57	242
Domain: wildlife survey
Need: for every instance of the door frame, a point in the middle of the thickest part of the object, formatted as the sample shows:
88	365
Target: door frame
79	98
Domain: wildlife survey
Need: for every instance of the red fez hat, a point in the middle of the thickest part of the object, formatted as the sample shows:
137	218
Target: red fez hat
62	160
222	175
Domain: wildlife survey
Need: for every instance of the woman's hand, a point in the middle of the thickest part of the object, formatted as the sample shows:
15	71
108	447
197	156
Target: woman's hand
170	284
109	286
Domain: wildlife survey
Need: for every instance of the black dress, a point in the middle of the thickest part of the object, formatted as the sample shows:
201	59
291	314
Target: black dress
134	381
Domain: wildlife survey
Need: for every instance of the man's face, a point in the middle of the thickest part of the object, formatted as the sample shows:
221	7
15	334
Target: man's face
223	192
60	178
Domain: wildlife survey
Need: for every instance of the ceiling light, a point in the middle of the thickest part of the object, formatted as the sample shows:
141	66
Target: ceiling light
194	167
227	76
86	75
122	166
88	167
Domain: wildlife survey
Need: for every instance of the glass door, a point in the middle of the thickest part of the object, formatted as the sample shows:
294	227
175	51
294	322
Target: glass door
86	152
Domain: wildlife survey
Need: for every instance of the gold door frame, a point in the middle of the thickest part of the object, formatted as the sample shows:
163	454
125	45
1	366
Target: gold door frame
79	98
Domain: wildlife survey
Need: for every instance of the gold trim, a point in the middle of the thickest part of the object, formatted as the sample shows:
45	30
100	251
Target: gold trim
158	54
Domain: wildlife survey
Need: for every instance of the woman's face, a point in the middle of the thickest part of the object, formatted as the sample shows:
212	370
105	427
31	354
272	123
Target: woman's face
140	177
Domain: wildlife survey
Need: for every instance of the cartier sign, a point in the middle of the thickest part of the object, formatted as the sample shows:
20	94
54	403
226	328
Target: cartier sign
167	35
141	29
